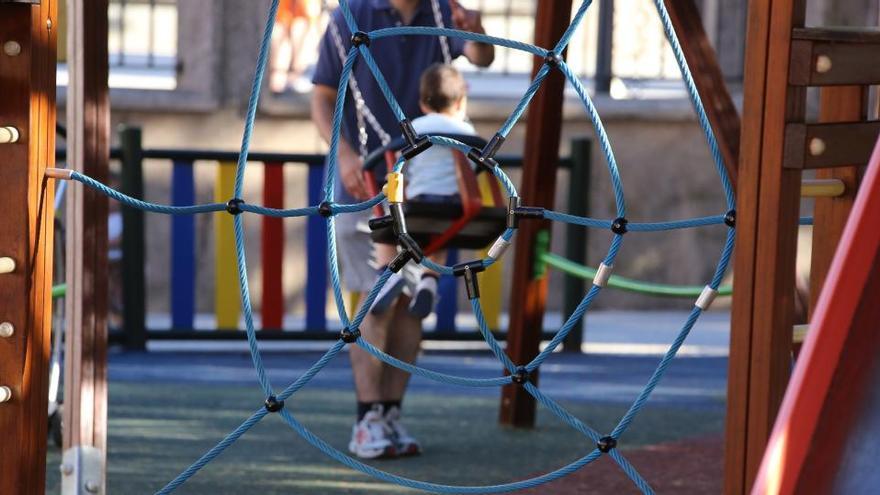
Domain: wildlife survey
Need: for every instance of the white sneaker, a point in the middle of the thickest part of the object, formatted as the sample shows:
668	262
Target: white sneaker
404	442
422	303
388	294
371	437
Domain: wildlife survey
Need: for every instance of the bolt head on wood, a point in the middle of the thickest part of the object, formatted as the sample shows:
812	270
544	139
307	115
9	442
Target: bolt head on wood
5	394
6	330
12	48
823	64
7	265
817	146
9	135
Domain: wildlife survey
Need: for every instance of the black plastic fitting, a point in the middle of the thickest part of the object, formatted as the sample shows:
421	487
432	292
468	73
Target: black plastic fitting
379	223
412	247
469	271
730	219
521	375
618	226
273	405
606	444
515	212
349	336
398	219
553	59
360	38
233	206
483	162
399	261
415	144
325	210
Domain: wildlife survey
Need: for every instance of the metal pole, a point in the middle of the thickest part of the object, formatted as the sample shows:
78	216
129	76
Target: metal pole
576	236
605	47
134	288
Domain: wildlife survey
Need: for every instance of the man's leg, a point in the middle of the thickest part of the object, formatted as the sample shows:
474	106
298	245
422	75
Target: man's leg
404	338
369	372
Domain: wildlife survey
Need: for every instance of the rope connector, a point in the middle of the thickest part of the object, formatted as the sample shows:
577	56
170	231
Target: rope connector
273	405
409	245
398	219
350	336
325	209
618	226
553	59
415	144
515	212
380	223
498	249
469	271
485	159
603	274
233	206
393	188
707	297
606	444
521	375
360	38
730	219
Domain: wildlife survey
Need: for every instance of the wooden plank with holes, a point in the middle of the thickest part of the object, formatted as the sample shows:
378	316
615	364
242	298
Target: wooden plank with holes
27	86
539	187
829	144
767	216
88	145
709	79
841	103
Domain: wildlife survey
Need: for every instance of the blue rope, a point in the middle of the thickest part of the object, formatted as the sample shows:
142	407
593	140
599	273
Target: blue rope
335	209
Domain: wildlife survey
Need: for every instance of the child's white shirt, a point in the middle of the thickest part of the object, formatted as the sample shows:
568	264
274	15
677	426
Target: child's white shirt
433	171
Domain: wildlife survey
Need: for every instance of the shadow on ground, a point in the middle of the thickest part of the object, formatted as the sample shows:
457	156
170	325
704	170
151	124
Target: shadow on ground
157	429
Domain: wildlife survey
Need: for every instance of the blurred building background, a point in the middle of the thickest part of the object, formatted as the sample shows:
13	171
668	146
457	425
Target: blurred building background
182	71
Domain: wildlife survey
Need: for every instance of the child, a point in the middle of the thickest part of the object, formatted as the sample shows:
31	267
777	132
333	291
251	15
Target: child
430	177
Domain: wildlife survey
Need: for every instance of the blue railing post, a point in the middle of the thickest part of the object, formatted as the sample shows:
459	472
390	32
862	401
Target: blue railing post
316	256
183	249
447	306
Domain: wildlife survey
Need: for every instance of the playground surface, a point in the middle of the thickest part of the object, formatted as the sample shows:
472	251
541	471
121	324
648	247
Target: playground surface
167	408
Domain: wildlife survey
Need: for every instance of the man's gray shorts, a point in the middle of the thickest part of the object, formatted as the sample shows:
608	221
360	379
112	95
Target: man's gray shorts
354	249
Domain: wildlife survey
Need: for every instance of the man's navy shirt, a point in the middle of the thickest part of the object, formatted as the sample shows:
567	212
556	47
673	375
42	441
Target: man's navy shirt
402	59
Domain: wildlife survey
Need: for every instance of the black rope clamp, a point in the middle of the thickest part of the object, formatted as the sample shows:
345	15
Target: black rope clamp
360	38
325	209
730	218
415	144
272	404
485	159
606	444
469	271
618	226
553	59
350	336
521	375
380	223
409	245
233	206
515	212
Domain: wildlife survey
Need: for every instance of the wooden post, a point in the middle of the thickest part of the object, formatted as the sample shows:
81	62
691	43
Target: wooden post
88	124
540	161
709	79
27	105
766	226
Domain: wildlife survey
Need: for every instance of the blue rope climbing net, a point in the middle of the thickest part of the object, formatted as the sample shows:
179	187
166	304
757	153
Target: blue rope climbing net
516	374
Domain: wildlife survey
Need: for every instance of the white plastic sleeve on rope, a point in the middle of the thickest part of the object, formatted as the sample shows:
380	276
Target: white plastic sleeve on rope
499	248
5	394
602	275
7	265
706	297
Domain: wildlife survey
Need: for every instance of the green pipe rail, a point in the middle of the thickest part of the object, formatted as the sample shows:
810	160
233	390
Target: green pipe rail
59	290
544	258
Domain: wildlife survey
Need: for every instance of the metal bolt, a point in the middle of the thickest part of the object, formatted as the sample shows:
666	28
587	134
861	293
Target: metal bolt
817	146
5	394
66	469
12	48
6	329
92	486
823	64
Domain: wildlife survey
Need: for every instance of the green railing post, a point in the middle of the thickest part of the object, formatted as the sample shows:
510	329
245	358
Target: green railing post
576	236
134	284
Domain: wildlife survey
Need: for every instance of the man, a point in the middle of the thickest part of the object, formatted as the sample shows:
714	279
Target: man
378	431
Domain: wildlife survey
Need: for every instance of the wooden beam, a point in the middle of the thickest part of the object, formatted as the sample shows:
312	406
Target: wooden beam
27	104
709	79
767	218
840	103
88	150
834	57
540	161
834	143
